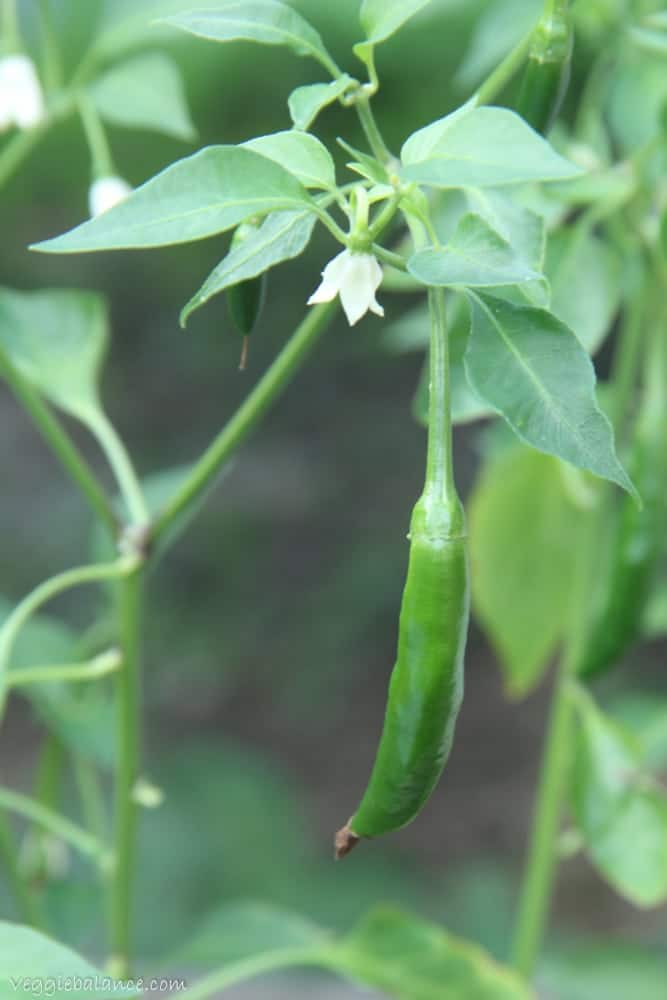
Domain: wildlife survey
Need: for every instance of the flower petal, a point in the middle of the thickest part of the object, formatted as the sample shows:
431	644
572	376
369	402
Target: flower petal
357	294
106	192
22	90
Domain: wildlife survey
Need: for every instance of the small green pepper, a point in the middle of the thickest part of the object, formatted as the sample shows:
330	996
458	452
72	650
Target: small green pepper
547	74
245	300
426	685
638	535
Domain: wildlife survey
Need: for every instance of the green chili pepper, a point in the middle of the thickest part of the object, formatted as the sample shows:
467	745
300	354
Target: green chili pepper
427	680
638	535
245	300
547	73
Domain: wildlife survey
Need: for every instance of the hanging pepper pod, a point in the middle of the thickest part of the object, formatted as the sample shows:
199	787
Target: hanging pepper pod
638	536
547	73
246	299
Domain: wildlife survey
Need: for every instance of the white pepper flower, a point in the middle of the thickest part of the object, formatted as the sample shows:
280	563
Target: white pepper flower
354	276
105	192
21	99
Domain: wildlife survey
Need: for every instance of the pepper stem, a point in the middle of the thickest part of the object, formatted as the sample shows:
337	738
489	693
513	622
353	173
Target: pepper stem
439	463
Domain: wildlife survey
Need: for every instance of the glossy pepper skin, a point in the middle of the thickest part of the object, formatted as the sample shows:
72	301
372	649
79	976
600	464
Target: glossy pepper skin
547	73
426	686
637	543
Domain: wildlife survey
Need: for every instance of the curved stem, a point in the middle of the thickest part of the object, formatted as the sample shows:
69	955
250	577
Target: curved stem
52	69
256	965
128	699
121	464
59	442
101	666
52	821
247	417
45	592
439	462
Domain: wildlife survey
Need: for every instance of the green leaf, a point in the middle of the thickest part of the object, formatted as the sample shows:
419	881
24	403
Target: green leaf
523	535
585	278
127	25
382	18
58	341
305	103
80	715
654	622
411	959
649	40
282	236
33	965
532	369
606	970
498	27
301	154
395	952
481	147
365	165
621	814
145	91
199	196
476	257
523	229
265	21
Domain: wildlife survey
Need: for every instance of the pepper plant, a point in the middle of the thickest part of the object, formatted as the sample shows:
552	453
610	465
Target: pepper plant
527	251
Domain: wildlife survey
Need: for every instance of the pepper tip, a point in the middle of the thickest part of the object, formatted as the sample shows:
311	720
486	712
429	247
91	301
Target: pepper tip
344	841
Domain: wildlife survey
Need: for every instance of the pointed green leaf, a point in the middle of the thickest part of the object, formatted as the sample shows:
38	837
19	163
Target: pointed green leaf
585	278
301	154
305	103
412	959
476	257
522	601
126	25
282	236
201	195
382	18
145	91
532	369
481	147
620	812
57	340
31	962
365	165
265	21
499	26
645	716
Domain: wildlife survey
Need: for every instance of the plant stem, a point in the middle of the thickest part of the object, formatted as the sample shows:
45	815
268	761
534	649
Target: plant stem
542	855
496	82
52	69
98	144
45	592
25	903
256	965
247	417
121	464
59	442
100	666
371	130
52	821
9	26
439	461
128	694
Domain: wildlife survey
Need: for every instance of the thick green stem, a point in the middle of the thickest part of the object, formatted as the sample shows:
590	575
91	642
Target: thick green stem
128	709
439	461
59	442
248	416
52	69
100	666
96	137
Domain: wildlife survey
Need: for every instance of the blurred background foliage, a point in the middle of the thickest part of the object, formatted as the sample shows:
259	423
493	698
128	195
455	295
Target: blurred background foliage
272	624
